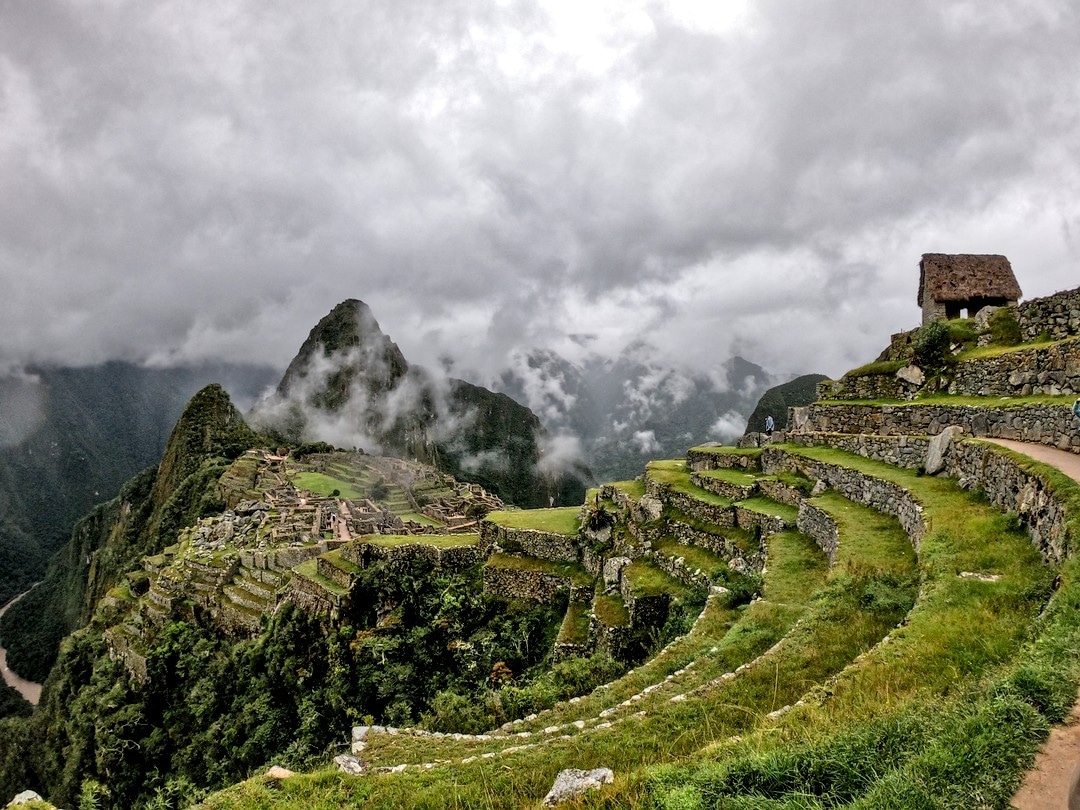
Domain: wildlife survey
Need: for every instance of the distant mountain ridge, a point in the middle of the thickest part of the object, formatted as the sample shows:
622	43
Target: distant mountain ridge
70	437
629	410
350	385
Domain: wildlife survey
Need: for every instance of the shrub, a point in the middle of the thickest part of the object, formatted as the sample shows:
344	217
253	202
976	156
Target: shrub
931	346
1004	328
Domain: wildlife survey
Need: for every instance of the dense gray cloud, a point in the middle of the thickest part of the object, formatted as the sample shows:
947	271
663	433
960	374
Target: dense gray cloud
192	180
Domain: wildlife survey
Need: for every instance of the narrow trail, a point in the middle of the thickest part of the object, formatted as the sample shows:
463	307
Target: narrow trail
28	689
1054	782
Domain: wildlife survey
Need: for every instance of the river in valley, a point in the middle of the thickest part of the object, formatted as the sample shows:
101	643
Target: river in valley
28	689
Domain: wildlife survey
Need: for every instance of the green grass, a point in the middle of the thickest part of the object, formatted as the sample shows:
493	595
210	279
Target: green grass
423	520
322	484
575	626
611	610
743	539
335	559
561	520
677	476
725	450
309	570
646	579
882	367
714	567
635	489
434	540
766	506
999	351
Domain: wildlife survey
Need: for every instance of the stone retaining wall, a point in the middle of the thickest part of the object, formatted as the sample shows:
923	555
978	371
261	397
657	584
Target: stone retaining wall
753	521
725	489
517	583
398	559
867	386
879	494
1052	425
908	452
723	516
1011	488
697	460
819	524
780	492
535	543
1051	371
1057	315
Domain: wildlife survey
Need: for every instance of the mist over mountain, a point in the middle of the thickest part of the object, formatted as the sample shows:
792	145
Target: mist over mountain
625	410
70	437
350	385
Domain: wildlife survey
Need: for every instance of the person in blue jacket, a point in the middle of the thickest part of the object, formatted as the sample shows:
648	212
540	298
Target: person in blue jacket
770	425
1076	409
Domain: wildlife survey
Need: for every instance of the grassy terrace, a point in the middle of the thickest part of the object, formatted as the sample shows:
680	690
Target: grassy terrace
521	562
575	627
635	489
309	570
714	567
647	580
322	484
725	450
562	520
767	506
677	476
611	610
742	538
948	713
948	399
435	540
835	628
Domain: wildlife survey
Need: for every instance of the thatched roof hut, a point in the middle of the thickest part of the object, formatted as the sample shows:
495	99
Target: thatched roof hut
950	283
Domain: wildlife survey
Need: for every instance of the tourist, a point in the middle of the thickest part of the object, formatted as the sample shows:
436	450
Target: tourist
770	425
1076	408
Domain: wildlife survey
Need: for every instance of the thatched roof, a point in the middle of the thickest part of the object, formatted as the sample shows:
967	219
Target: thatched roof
966	276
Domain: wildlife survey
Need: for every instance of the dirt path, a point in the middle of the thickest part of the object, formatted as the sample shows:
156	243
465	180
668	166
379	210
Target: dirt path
1053	783
28	689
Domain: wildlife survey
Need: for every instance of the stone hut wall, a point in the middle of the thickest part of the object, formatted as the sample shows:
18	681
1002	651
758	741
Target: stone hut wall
1052	425
1057	315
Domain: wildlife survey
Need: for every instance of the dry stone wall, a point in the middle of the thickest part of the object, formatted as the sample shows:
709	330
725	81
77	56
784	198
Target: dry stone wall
536	543
879	494
702	459
908	452
819	524
1052	425
1051	371
518	583
1057	315
1012	488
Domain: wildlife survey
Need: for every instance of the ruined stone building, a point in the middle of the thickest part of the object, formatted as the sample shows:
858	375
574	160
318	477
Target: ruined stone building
954	285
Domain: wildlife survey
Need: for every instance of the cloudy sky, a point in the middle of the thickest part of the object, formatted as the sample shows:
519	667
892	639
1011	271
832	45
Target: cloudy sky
184	180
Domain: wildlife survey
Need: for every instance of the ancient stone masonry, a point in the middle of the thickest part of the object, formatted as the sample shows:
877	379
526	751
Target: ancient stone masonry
1012	488
908	452
1053	371
536	543
976	465
951	283
883	496
1052	425
517	583
867	386
1056	316
701	459
819	524
723	516
725	489
399	559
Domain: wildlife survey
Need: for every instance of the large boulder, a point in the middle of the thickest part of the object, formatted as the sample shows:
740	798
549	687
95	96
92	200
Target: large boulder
573	782
939	445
